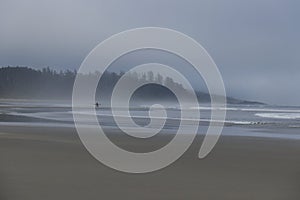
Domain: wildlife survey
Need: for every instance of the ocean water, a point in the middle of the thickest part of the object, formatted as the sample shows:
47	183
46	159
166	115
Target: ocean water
241	120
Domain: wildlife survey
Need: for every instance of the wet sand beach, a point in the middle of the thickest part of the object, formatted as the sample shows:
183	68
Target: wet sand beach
51	163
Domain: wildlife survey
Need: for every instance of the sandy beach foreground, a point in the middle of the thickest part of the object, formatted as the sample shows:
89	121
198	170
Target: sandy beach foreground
51	163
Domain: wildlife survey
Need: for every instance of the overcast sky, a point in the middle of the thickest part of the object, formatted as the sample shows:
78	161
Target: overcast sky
255	43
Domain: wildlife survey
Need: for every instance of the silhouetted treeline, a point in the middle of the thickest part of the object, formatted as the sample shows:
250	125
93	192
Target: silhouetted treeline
28	83
25	82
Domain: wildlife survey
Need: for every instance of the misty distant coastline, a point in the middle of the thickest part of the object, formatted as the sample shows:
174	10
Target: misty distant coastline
49	84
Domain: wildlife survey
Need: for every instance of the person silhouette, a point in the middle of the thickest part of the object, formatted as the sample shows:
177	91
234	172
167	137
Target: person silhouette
97	105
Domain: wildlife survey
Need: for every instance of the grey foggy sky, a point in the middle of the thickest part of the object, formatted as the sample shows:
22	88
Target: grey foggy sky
255	43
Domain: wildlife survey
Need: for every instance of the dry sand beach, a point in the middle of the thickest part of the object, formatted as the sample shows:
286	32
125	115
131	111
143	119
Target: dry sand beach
51	163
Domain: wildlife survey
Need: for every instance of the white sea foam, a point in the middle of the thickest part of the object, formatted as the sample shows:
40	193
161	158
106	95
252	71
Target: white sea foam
247	109
279	115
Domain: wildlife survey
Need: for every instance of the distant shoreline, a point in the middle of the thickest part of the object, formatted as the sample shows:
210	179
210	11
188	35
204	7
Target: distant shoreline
48	84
